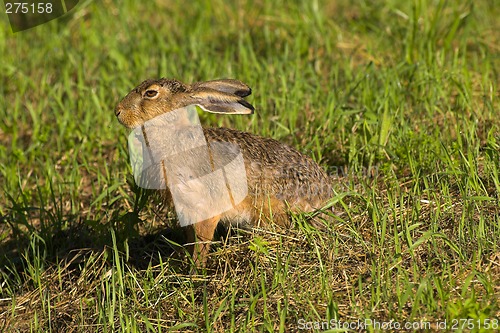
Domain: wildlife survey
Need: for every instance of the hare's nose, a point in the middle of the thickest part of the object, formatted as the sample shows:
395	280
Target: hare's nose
118	110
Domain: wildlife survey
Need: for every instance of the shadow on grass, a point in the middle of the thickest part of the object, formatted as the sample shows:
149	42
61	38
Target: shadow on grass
82	238
23	245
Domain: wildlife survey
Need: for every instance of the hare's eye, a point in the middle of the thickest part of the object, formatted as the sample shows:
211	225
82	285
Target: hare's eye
151	93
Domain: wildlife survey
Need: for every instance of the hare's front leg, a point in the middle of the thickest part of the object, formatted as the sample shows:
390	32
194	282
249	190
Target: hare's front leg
199	236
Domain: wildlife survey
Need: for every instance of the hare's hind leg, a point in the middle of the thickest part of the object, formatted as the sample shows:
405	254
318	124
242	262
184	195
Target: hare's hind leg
199	236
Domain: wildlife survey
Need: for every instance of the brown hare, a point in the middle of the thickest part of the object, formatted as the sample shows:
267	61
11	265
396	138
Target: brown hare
274	179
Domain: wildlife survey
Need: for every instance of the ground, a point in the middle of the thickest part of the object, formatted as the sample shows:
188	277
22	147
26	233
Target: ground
398	101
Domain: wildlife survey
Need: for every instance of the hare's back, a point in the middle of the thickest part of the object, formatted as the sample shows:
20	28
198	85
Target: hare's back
273	168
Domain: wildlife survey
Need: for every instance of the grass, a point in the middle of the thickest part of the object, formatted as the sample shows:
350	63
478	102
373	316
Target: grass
397	100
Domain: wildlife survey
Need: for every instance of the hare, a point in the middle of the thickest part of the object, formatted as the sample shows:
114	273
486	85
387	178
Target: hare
276	178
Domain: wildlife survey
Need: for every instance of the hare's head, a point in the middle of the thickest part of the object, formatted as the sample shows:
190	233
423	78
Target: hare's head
155	97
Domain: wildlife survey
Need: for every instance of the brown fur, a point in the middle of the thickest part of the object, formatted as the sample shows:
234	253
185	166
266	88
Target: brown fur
280	179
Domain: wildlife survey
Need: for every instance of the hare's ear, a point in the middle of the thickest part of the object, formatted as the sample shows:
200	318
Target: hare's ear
229	86
221	102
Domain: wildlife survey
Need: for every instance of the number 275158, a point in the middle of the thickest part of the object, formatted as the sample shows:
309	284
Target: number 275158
28	8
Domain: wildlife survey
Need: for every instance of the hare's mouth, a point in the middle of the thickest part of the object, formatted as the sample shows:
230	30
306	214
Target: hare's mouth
118	110
125	123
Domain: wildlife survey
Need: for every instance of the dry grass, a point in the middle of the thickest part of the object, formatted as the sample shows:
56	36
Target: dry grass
397	100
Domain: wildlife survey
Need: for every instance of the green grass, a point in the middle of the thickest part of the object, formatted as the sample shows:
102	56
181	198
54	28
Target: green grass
398	99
